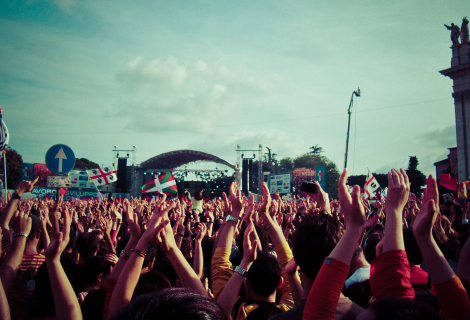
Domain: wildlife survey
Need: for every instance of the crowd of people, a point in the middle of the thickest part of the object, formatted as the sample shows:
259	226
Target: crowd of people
403	257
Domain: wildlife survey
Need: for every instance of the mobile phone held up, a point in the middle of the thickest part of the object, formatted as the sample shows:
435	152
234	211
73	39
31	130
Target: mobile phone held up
309	187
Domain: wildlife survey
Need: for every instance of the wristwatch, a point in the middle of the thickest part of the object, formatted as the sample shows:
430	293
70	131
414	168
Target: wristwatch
16	196
231	218
241	271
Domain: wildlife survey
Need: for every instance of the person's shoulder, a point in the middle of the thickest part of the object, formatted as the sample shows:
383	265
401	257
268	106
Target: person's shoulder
294	313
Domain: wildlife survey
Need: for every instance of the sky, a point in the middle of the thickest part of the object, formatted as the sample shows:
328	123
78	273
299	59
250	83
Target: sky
207	75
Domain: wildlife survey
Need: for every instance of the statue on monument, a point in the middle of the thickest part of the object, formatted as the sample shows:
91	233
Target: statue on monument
464	31
454	33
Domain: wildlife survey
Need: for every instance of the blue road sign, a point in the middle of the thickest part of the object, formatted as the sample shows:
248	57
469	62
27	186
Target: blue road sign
60	159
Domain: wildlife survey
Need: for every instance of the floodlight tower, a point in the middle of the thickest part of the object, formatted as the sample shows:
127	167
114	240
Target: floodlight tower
357	94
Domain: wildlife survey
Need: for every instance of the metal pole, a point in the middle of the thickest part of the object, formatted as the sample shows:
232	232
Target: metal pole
260	170
358	94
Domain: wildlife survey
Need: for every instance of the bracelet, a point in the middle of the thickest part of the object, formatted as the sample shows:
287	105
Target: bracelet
140	253
20	235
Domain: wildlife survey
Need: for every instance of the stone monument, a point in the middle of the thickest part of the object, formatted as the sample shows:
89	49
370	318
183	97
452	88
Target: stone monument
459	72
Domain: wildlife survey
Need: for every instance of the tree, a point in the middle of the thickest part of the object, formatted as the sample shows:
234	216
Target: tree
84	164
14	163
332	174
316	150
416	177
287	164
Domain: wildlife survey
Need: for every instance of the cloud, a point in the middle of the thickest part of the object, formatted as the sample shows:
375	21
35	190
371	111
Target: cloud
65	5
166	94
441	137
224	143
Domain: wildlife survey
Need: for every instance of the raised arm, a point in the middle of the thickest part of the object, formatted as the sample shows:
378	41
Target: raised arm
450	293
186	274
4	307
21	225
65	301
251	245
10	208
130	274
397	197
198	263
324	295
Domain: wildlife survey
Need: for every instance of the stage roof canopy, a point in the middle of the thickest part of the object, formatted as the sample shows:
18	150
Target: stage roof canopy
174	159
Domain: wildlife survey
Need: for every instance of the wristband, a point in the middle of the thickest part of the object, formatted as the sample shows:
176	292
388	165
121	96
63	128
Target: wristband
16	196
20	235
140	253
240	271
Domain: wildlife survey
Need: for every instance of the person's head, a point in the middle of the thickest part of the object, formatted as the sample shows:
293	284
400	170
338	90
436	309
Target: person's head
87	244
198	195
264	275
359	293
94	271
36	226
398	309
314	239
377	228
149	282
411	247
369	249
173	304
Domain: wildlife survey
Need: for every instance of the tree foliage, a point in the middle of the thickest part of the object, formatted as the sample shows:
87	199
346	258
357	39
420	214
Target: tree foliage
316	150
84	164
417	178
14	162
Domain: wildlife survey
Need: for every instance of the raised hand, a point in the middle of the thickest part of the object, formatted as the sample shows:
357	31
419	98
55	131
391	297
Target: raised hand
201	231
426	218
398	190
351	205
58	244
21	223
25	186
235	199
251	244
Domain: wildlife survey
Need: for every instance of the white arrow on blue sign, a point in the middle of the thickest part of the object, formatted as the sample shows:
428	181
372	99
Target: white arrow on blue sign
60	159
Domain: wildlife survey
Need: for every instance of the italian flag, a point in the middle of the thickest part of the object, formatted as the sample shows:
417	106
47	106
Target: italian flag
165	183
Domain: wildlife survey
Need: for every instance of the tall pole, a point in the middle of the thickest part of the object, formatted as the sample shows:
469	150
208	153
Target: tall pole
357	94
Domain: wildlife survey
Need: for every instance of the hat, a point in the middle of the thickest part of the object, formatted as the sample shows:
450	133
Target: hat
36	225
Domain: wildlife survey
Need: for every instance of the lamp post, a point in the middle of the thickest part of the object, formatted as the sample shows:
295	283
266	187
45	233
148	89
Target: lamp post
357	94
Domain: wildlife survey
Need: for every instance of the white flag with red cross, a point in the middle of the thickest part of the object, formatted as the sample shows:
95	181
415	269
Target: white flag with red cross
102	176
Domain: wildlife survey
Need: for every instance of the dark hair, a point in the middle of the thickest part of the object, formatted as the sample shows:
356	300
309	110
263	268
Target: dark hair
314	239
92	268
87	244
36	226
198	195
411	247
93	305
264	274
402	309
359	293
369	249
173	304
149	282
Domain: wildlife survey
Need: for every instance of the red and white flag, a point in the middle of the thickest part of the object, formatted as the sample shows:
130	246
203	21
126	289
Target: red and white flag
371	185
102	176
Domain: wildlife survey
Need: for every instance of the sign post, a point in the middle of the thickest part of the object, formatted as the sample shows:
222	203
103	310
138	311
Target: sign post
60	159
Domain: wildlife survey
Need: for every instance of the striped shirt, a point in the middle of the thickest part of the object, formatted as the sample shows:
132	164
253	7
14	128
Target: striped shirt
21	295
